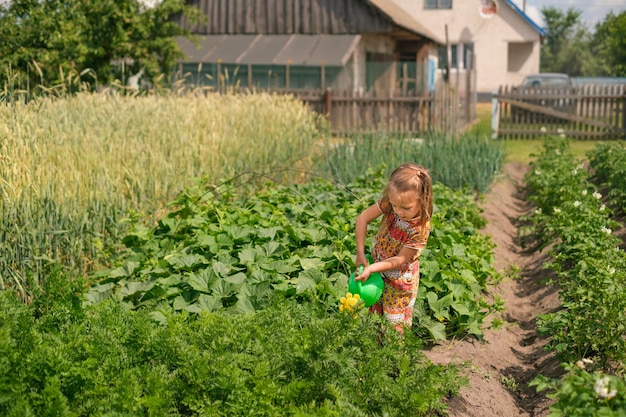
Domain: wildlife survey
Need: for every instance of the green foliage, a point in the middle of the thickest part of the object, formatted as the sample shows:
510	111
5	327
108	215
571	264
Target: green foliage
289	359
73	168
219	250
606	161
583	392
572	219
469	161
609	45
572	48
566	42
70	42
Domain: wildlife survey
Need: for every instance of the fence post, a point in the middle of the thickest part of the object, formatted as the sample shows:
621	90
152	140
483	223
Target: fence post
495	114
328	101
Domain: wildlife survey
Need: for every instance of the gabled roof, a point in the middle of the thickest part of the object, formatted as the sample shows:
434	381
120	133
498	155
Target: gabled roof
526	18
404	19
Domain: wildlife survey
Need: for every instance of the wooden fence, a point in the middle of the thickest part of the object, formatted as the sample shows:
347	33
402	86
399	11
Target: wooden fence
350	113
585	112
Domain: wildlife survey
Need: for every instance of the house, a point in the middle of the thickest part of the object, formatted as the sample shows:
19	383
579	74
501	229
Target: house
359	46
504	40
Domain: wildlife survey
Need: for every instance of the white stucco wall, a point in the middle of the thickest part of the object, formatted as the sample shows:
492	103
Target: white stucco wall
493	38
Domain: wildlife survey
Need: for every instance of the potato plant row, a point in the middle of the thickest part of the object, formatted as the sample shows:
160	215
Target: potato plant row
574	223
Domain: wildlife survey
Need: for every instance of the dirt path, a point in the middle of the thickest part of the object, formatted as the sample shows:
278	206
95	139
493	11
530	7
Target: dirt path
508	358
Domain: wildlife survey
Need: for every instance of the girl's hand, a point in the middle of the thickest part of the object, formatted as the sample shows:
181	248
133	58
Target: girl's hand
363	273
360	260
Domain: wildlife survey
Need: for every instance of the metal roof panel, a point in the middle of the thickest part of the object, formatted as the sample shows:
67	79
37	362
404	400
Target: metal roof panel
297	50
312	50
333	50
265	49
230	48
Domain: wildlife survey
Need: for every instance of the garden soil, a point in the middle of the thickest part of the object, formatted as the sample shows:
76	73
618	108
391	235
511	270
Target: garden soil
503	363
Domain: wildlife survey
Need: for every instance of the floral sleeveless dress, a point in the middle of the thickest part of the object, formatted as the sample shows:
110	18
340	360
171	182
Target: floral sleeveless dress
401	284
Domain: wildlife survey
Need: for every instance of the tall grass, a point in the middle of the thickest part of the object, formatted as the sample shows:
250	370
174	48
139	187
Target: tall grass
72	168
470	160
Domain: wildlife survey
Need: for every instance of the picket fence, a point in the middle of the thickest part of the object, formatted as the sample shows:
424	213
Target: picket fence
588	111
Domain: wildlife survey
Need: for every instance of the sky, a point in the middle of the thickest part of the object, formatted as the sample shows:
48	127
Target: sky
593	11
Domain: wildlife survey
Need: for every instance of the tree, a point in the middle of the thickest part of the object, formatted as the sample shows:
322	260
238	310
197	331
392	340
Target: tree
566	45
47	42
609	45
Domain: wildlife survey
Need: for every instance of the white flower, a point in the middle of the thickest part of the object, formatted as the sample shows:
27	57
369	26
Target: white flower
558	152
543	129
575	171
601	387
537	172
597	195
576	203
538	211
584	192
611	270
602	207
562	135
581	364
560	130
606	230
557	210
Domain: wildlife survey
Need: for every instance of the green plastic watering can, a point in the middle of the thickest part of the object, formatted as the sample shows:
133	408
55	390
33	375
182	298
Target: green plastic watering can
370	290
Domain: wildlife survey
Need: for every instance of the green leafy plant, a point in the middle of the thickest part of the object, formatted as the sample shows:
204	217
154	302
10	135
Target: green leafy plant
289	359
220	250
584	392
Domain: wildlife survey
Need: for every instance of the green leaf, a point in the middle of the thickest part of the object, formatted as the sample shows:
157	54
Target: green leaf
239	278
238	232
133	287
244	305
268	232
437	330
272	248
222	269
202	280
221	288
247	256
312	263
461	309
180	303
209	302
304	283
125	271
180	261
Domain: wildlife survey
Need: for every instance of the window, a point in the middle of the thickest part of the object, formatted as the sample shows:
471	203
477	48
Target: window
458	56
442	56
454	56
437	4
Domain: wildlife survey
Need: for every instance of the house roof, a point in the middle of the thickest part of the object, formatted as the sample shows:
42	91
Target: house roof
526	18
404	18
307	50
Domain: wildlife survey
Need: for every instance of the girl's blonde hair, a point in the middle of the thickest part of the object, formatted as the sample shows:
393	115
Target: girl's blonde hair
412	177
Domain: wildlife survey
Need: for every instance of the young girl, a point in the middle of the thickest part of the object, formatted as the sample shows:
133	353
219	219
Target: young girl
406	206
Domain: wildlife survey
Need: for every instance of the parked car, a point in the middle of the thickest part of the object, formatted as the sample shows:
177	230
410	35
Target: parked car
545	85
547	79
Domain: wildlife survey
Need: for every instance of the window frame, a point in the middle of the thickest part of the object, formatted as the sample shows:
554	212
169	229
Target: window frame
437	4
